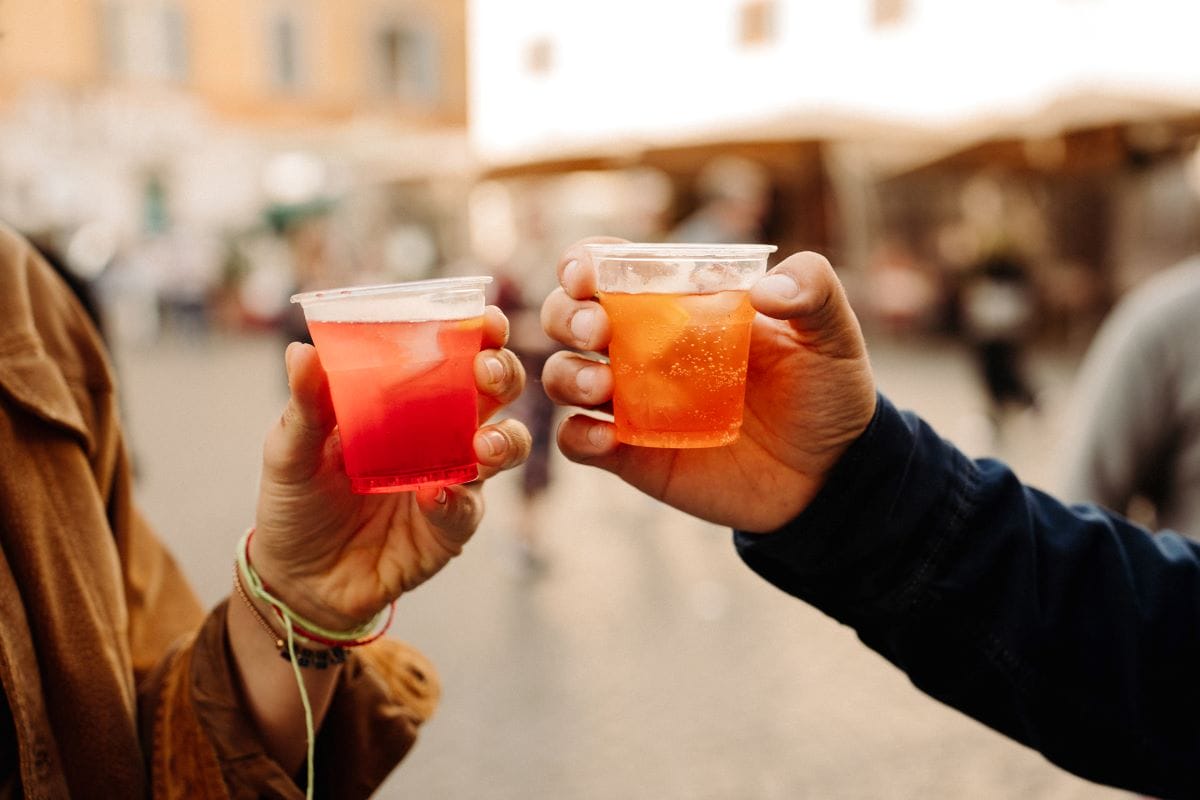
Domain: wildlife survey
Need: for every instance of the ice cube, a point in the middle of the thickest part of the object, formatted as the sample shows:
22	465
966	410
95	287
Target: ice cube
708	276
657	403
661	322
713	309
420	344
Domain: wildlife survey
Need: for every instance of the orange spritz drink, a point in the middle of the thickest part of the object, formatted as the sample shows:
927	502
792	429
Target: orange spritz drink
679	366
681	320
400	361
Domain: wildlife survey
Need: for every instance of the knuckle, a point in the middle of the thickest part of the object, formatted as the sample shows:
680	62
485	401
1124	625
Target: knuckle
818	261
555	375
520	442
514	369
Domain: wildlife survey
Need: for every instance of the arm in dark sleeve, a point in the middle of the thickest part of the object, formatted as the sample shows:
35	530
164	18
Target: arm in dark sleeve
1066	628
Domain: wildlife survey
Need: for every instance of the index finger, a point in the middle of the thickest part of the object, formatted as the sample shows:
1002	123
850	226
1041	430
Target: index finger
495	328
576	273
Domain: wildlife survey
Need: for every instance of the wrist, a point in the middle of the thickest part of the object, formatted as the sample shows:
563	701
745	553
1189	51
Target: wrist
260	620
297	593
295	622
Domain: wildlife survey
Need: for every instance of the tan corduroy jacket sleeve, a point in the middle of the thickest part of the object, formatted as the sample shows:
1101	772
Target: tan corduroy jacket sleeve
116	681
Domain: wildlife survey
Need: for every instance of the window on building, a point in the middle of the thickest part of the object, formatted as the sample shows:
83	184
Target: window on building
406	62
757	22
885	13
145	41
174	31
539	56
113	27
284	51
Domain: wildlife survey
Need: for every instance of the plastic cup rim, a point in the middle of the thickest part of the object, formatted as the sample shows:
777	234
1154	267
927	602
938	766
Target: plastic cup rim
430	286
664	250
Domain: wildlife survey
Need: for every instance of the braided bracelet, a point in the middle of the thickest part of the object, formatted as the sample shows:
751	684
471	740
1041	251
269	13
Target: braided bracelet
293	625
366	633
305	657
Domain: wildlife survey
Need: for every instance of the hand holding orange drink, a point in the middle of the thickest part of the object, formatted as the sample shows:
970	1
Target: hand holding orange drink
680	318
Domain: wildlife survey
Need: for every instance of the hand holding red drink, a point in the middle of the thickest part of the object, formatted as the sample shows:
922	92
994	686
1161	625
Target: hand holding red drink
398	357
338	557
809	394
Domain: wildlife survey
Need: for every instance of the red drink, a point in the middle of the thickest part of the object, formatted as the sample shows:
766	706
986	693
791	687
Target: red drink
405	399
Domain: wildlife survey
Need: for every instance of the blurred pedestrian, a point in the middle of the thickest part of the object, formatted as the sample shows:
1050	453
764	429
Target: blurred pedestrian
115	682
1136	405
998	313
1068	629
536	410
902	295
735	197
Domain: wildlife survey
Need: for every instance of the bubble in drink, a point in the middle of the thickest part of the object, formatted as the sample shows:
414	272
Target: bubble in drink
681	319
679	366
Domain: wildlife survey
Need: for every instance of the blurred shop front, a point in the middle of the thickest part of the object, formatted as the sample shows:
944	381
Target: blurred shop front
652	193
1090	212
195	163
907	141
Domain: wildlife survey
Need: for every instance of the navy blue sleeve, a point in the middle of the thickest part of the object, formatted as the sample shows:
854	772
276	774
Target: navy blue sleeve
1066	628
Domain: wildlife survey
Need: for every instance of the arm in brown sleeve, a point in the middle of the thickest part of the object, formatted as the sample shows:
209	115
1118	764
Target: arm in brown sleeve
201	739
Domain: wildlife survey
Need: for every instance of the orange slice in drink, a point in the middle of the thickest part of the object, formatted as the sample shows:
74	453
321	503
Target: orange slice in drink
646	324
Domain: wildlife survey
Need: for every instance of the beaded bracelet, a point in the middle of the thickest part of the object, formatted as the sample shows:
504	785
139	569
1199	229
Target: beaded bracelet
305	657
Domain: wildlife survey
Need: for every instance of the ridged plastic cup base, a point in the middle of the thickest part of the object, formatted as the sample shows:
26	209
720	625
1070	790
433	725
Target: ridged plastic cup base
383	484
679	439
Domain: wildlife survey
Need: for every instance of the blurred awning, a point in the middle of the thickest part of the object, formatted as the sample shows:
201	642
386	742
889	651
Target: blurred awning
1078	130
781	154
955	76
891	144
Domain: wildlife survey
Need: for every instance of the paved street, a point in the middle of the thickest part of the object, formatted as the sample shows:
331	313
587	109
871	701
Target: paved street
647	662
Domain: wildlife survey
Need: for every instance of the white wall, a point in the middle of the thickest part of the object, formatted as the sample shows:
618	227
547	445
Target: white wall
627	72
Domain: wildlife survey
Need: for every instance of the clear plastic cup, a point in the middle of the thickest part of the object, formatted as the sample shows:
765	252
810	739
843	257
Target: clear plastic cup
400	360
680	317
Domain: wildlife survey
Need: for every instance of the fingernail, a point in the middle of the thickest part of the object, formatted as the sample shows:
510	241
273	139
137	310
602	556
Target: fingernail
571	272
289	355
585	379
582	324
495	369
780	285
495	442
441	497
598	436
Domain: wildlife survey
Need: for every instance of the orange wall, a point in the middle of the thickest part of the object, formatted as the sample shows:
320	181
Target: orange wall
52	41
59	42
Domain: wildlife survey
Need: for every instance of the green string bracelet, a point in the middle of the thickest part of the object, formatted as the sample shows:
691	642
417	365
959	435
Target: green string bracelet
294	623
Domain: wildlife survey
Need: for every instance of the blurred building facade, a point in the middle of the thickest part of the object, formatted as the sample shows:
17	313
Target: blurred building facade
906	138
191	124
305	142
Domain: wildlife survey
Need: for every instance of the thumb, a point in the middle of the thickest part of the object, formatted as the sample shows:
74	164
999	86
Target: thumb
296	445
805	291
